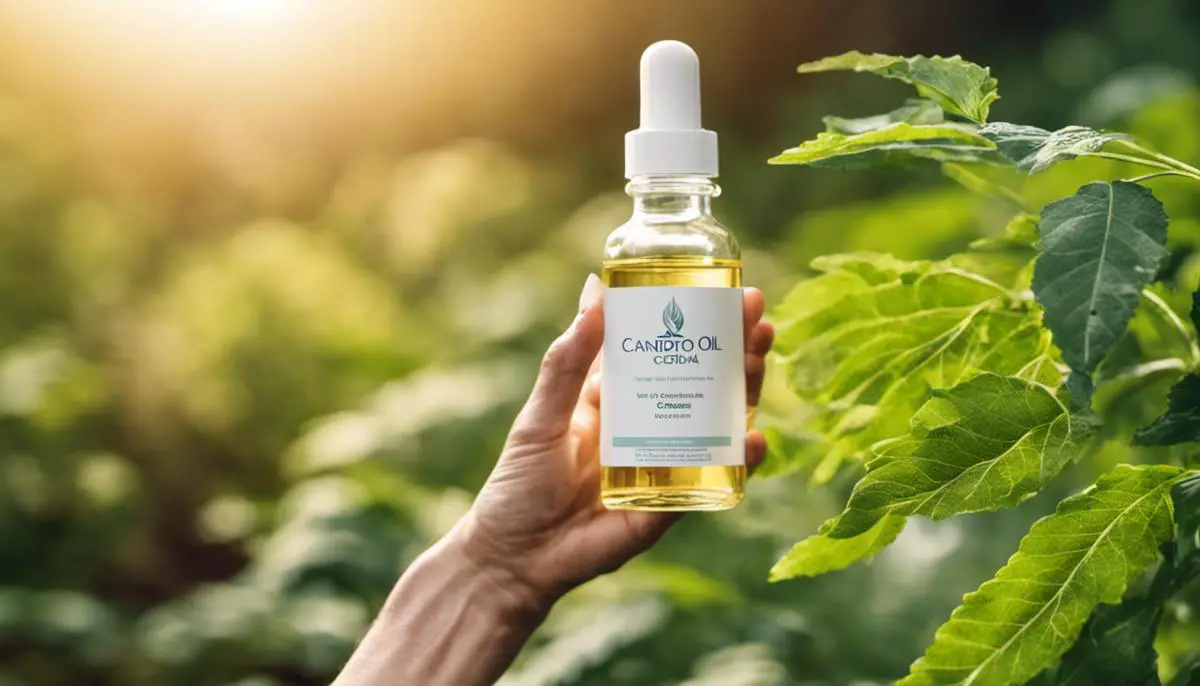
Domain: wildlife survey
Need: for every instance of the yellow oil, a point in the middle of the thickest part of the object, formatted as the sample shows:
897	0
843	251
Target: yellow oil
672	488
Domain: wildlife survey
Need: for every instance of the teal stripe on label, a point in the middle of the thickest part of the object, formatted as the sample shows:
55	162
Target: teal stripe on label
672	442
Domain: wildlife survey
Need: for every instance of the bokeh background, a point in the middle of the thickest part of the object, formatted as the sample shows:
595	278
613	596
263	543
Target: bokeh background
276	274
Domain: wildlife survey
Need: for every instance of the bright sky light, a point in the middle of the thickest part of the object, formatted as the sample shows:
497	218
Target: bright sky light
233	14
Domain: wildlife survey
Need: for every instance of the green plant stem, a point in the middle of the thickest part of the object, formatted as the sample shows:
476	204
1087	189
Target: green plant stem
1171	161
1155	175
1173	319
1130	159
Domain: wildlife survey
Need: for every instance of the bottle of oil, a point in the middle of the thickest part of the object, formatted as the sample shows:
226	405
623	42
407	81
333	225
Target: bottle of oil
673	397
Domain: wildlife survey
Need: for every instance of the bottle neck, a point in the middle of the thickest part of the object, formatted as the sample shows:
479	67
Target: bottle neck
676	196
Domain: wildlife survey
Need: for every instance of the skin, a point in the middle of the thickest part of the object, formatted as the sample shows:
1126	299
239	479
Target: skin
461	612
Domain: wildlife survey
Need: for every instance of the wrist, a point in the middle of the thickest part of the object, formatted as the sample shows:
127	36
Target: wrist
506	580
451	620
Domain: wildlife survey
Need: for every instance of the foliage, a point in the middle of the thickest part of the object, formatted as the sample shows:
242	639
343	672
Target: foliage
941	323
998	376
958	86
989	442
1033	150
935	141
1085	553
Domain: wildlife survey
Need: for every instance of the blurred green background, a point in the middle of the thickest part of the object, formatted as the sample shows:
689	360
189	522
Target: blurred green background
275	276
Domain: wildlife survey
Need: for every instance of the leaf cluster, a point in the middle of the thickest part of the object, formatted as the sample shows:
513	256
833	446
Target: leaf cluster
966	385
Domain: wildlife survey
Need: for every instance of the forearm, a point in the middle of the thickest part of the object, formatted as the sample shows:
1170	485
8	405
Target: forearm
448	621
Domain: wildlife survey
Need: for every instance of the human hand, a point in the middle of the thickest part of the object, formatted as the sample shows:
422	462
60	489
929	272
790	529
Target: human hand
538	521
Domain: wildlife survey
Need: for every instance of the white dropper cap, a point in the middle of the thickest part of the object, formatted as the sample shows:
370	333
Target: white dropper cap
669	139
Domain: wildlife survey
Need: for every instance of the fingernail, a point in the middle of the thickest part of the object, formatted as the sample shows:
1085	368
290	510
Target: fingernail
592	288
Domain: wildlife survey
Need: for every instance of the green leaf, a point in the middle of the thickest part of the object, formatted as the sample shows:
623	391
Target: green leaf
958	86
986	444
819	554
1100	247
867	340
1181	422
1034	150
897	141
1086	553
1116	646
914	111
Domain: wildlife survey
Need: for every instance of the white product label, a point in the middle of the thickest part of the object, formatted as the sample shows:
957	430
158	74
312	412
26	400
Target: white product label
674	377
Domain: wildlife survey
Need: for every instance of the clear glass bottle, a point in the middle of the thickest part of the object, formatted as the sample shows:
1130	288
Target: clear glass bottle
673	389
672	239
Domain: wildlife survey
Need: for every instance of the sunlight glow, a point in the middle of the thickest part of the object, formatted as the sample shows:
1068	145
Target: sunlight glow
245	10
235	14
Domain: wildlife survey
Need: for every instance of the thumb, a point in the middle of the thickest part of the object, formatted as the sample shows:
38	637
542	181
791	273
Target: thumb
547	414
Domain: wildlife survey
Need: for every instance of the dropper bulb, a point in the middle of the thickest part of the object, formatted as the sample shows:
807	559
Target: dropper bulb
670	140
670	76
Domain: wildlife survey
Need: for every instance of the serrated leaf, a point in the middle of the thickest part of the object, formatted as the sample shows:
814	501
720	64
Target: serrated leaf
1117	644
1030	613
985	444
819	554
1034	150
913	111
860	296
897	141
854	60
958	86
867	340
1181	422
1100	247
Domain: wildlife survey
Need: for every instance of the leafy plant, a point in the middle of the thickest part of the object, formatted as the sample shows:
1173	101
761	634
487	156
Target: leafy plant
966	385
